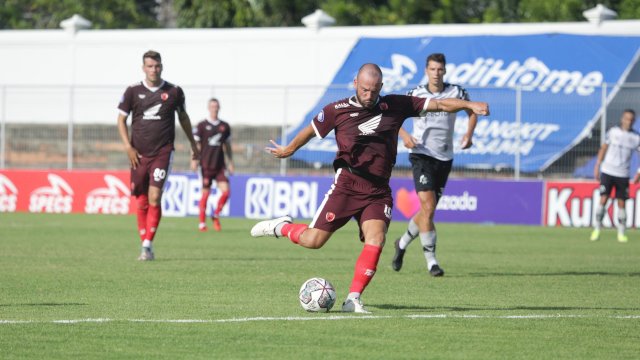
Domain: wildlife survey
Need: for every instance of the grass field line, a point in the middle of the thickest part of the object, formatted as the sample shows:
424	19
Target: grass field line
324	318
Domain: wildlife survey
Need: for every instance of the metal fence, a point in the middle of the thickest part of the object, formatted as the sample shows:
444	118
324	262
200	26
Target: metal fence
63	127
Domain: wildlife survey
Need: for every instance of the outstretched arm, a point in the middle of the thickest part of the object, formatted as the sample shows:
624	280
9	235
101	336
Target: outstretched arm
299	141
455	105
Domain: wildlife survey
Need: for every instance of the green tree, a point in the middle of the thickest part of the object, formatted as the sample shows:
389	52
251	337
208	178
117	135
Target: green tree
104	14
629	9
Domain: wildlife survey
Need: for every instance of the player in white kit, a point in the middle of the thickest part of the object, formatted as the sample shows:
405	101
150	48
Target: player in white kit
431	157
613	170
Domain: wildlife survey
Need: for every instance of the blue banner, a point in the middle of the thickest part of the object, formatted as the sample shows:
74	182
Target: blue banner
264	197
561	77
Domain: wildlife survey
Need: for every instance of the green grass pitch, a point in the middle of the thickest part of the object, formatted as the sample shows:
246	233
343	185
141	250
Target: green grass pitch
70	287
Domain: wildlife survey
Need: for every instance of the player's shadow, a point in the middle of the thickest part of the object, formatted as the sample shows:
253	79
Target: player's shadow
563	273
45	304
488	308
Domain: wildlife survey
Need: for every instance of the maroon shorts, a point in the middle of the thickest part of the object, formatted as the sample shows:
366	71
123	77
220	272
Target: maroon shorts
352	196
208	175
151	171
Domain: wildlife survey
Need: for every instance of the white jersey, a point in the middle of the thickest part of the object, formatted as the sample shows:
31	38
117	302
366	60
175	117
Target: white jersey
617	160
434	131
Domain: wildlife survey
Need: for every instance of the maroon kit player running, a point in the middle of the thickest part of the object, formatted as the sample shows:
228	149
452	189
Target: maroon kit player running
366	128
152	104
214	142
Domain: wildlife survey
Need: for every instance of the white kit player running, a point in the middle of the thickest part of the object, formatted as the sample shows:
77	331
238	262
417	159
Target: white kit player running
613	170
431	157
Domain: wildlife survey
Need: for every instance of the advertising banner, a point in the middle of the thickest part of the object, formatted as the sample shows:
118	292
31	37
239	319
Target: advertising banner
61	192
573	204
476	201
560	75
259	197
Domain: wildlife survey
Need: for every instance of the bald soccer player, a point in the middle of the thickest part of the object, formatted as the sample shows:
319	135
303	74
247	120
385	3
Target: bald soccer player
366	126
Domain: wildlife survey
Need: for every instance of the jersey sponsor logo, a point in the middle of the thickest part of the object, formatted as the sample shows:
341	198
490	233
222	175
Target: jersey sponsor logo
267	198
112	199
341	106
320	116
8	195
142	96
56	198
164	96
354	114
214	140
368	127
152	113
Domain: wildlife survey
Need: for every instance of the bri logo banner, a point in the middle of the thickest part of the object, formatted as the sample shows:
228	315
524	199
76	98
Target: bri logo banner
561	77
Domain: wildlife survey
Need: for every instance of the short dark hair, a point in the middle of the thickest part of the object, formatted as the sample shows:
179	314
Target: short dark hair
630	111
214	100
151	54
437	57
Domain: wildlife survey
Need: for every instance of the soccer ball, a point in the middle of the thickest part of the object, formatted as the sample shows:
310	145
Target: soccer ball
317	295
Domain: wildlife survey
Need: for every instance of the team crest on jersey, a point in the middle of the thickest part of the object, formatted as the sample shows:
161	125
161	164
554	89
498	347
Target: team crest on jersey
221	128
330	216
321	116
164	96
384	106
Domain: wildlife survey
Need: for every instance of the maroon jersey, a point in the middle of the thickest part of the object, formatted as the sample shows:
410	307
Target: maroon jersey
368	138
212	135
152	115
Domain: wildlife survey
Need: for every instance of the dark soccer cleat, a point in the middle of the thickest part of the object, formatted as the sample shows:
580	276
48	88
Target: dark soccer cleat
436	271
396	264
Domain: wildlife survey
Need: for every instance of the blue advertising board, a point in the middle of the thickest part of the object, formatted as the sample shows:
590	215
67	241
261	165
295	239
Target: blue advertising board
561	77
262	197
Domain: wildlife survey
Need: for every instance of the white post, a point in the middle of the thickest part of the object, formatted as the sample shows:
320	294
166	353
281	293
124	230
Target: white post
516	167
3	120
283	130
70	130
603	120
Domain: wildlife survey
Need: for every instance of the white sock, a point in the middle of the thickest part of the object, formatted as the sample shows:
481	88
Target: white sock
428	240
622	220
409	235
353	295
202	225
599	216
279	227
146	244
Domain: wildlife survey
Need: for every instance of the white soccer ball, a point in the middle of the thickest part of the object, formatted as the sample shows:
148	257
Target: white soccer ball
317	295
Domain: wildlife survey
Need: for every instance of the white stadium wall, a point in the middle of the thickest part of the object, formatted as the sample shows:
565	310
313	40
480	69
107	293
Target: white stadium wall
262	76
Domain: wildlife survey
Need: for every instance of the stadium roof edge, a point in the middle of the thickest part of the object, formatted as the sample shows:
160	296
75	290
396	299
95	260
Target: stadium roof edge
611	27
